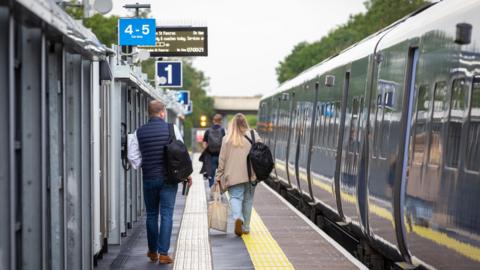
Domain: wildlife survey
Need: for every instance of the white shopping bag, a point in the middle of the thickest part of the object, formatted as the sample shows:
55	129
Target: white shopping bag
217	210
133	154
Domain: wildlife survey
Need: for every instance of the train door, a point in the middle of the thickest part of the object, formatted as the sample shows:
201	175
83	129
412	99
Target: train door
353	132
305	106
292	140
282	146
341	129
275	130
391	111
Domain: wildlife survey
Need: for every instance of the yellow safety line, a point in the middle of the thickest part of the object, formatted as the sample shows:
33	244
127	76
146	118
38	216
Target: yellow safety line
442	239
263	249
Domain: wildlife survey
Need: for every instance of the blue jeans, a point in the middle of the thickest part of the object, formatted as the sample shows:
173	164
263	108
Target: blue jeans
213	170
159	197
241	203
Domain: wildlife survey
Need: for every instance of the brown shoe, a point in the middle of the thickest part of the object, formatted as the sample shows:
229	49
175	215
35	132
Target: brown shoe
238	227
153	256
165	259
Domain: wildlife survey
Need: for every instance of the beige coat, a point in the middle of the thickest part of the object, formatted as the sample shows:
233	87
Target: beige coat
232	163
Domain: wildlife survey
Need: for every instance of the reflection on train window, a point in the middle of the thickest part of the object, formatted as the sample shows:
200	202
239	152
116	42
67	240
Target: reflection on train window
458	105
420	131
337	125
473	141
317	125
295	120
331	126
328	127
385	125
378	115
353	119
439	103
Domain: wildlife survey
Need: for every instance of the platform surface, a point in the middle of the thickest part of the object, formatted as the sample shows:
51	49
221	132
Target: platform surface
280	238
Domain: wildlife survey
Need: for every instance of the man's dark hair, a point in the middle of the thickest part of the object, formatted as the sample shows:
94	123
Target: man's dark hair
217	118
155	107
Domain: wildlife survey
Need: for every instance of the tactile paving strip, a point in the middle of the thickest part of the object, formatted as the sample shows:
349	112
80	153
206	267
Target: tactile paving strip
263	249
193	246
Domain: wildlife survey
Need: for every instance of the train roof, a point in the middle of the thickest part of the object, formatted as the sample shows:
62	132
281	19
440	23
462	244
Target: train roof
418	22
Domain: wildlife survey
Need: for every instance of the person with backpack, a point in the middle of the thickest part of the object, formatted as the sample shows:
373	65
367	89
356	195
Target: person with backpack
212	142
164	164
233	172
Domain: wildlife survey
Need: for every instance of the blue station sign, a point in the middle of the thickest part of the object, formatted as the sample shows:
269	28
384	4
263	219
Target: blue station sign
183	97
168	74
134	32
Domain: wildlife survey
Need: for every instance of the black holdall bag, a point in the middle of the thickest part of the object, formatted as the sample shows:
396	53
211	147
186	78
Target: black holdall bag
179	164
260	159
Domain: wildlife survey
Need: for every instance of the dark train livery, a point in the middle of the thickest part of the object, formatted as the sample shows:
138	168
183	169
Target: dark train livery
382	141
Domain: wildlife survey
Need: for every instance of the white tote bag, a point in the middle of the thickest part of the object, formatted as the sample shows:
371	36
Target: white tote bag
134	155
217	211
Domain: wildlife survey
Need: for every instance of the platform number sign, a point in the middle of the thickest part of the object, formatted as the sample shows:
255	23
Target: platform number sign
133	32
169	74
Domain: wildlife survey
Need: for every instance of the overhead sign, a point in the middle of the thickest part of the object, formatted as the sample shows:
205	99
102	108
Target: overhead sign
133	32
183	97
179	41
168	74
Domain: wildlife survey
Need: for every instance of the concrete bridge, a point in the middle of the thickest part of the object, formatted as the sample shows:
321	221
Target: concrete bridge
231	105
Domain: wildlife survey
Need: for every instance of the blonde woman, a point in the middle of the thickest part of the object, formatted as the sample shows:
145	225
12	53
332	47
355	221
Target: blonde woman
232	173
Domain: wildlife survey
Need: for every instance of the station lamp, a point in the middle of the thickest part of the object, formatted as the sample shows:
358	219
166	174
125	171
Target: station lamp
203	121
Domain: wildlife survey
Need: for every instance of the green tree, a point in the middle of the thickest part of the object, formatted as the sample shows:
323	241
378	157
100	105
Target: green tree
380	13
105	28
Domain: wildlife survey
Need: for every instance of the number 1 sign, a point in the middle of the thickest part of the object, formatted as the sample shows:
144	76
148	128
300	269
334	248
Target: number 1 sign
168	74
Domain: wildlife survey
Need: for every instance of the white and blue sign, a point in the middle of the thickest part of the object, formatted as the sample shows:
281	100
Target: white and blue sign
189	108
133	32
183	97
169	74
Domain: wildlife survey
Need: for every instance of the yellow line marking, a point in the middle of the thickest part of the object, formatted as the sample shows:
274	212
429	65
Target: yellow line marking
442	239
263	249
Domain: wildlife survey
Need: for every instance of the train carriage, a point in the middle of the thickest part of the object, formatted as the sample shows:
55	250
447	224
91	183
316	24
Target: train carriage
383	139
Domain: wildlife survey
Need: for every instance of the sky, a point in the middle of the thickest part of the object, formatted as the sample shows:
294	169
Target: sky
248	38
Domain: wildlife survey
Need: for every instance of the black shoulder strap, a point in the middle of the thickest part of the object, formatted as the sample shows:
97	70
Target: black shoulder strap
171	132
252	134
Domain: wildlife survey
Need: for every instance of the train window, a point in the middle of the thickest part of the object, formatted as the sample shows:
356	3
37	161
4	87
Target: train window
439	103
308	118
353	129
337	124
331	125
420	132
317	124
376	131
326	124
321	127
473	140
385	124
458	105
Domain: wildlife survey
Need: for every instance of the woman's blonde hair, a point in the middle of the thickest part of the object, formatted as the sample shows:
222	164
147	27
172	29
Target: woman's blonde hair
236	130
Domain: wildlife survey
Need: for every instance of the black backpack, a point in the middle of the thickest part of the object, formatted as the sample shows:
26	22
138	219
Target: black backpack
260	159
179	164
215	136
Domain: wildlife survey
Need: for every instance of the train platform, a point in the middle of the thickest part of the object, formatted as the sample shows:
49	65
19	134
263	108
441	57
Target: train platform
280	238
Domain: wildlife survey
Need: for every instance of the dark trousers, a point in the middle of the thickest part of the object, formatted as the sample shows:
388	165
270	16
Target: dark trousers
159	198
213	170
